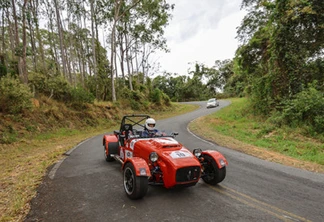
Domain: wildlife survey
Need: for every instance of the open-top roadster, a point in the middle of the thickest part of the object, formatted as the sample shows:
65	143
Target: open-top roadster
159	160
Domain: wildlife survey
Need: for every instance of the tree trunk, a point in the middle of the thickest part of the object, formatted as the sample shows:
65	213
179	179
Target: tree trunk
19	59
51	42
38	36
59	27
22	59
136	61
112	68
32	42
98	58
11	34
128	65
3	45
143	63
122	55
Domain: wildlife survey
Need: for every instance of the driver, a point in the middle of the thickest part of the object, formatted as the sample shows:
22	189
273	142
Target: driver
149	128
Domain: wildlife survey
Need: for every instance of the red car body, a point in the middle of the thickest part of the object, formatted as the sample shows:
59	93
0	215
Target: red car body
159	160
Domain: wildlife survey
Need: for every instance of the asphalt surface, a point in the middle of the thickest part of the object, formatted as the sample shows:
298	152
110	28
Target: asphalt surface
84	187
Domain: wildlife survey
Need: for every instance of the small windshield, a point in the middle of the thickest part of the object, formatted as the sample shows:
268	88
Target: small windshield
211	100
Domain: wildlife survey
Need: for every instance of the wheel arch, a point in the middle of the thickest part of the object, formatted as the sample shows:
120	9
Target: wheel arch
217	156
140	166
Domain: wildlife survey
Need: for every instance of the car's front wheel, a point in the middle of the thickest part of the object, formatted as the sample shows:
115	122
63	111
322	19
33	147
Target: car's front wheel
212	174
135	187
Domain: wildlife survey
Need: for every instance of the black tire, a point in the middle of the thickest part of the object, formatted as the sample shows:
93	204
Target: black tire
108	157
135	187
212	174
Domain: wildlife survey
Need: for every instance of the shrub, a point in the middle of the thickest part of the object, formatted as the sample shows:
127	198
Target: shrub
14	96
59	88
38	81
156	96
307	108
3	70
79	95
135	105
137	95
125	93
166	99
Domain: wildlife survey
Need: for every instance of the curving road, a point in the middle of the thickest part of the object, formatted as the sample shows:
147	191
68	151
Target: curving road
84	187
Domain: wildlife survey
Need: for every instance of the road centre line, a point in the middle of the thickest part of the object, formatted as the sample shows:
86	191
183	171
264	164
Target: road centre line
272	210
268	205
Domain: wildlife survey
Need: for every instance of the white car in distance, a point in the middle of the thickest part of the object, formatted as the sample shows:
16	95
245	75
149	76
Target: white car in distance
211	103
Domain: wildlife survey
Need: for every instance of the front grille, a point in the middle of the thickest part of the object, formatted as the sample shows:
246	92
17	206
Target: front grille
187	174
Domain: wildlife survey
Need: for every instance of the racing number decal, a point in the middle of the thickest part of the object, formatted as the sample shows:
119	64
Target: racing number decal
180	154
129	154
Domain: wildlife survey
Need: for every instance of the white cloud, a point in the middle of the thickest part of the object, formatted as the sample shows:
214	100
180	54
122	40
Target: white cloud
202	31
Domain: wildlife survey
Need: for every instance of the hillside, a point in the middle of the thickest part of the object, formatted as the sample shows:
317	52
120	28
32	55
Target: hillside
32	141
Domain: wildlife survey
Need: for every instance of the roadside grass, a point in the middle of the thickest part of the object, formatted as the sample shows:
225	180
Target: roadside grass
235	127
24	163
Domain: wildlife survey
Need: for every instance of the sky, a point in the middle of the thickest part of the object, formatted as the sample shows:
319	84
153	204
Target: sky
200	31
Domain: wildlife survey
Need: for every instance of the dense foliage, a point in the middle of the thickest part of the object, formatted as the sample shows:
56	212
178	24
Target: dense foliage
280	64
201	83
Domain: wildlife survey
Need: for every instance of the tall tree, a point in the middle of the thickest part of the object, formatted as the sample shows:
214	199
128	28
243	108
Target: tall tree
22	59
61	36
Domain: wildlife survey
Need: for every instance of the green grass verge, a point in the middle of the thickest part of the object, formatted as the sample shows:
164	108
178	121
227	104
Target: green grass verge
237	122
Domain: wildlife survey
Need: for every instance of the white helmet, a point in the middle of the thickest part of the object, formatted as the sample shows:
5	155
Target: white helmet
150	124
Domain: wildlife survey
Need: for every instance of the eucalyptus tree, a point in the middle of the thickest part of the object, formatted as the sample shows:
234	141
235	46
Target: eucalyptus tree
50	37
36	10
22	60
61	36
6	34
139	27
3	68
148	30
116	10
17	48
20	50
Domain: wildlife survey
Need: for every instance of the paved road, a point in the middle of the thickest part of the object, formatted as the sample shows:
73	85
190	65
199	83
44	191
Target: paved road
84	187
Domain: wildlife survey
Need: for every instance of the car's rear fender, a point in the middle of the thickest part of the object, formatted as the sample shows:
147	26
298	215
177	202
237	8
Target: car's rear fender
109	138
111	144
217	156
140	166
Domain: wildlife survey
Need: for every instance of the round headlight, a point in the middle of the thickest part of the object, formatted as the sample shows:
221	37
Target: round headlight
154	157
197	152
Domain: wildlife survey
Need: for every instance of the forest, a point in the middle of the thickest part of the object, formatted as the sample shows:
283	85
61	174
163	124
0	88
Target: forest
81	51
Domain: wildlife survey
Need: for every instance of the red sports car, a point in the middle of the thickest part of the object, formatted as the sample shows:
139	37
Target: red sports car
159	160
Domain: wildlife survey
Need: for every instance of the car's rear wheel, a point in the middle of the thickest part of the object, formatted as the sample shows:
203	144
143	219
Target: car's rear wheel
212	174
108	157
135	187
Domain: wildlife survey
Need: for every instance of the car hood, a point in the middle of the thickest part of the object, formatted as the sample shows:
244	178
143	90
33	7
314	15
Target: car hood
170	151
